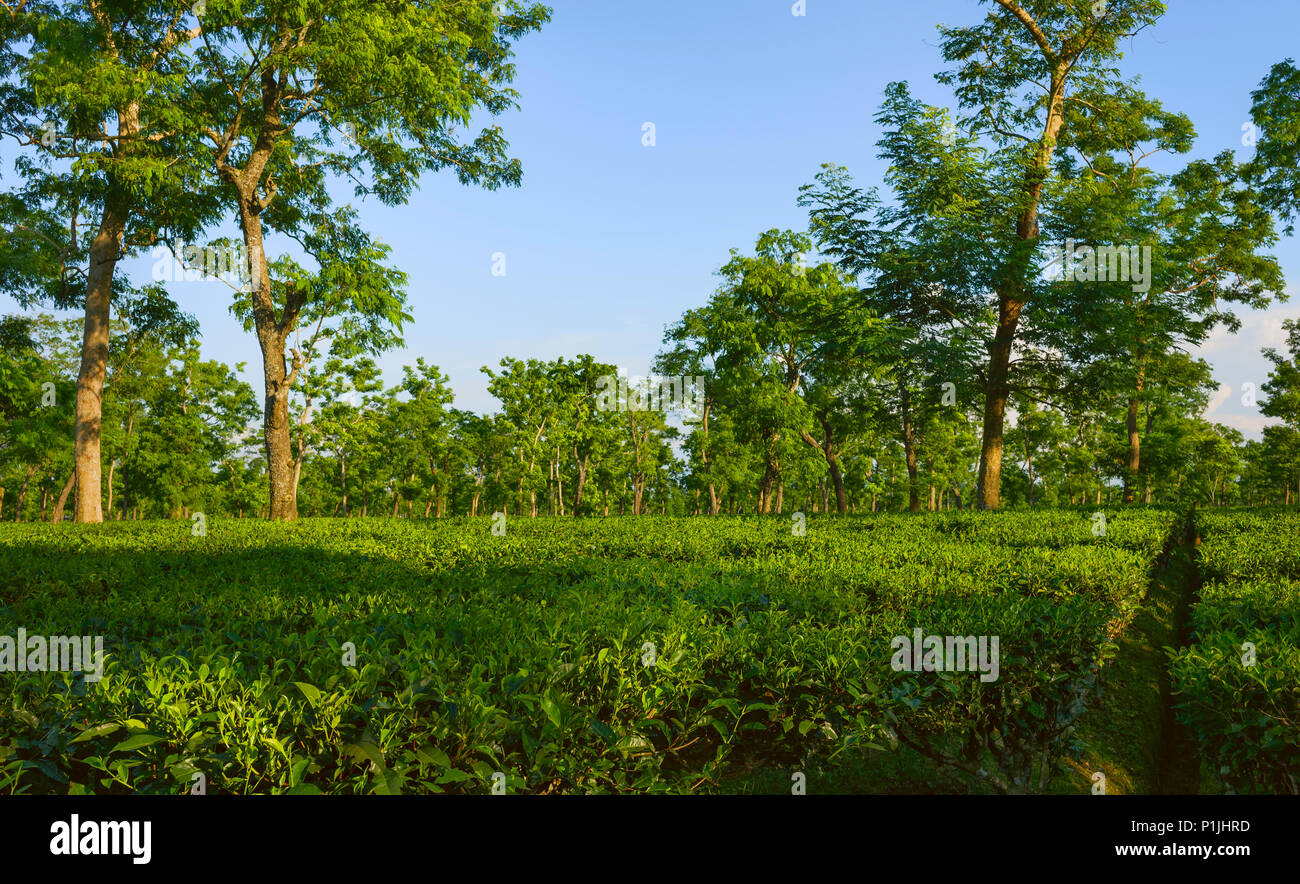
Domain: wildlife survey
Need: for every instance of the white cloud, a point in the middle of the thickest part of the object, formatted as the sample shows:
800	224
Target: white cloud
1220	396
1239	360
1251	426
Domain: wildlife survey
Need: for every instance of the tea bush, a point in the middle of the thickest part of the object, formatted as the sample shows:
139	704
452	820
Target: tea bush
1238	683
646	654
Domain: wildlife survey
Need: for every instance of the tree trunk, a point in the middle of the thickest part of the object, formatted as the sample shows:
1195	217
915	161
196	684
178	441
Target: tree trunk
769	475
837	479
63	498
989	493
105	250
343	479
559	484
1134	450
1011	293
272	330
708	463
283	502
909	447
581	464
827	449
272	333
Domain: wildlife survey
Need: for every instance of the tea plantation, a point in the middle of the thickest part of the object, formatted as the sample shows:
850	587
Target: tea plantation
1239	680
634	655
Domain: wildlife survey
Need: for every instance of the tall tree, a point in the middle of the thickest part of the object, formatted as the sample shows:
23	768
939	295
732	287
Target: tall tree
291	92
1015	74
96	97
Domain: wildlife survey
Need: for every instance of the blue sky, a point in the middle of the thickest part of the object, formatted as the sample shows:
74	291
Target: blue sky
608	241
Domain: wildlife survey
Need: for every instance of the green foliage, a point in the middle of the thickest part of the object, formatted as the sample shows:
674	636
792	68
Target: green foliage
527	654
1276	111
1238	683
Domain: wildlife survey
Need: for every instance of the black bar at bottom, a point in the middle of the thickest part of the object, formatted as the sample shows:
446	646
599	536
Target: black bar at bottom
335	834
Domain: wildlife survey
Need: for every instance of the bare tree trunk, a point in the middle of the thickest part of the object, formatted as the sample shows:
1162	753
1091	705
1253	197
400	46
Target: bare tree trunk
63	498
272	335
581	464
1134	447
989	493
105	250
909	447
343	477
765	489
708	463
559	483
